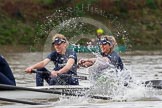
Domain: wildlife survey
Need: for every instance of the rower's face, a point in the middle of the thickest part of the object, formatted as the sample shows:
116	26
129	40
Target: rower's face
105	48
60	48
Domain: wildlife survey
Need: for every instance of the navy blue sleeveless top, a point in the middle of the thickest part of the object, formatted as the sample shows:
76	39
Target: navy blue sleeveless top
115	59
60	60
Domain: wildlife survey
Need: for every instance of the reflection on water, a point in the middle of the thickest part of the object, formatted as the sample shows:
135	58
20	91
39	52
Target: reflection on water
143	67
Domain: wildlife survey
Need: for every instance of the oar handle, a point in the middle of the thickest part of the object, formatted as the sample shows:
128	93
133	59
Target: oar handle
36	71
63	75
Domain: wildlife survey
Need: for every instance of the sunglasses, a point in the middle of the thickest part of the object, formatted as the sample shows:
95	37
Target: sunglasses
58	41
104	41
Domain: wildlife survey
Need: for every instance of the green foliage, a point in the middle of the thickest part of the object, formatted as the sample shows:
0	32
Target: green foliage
47	2
141	19
83	41
151	4
88	1
15	32
80	5
121	5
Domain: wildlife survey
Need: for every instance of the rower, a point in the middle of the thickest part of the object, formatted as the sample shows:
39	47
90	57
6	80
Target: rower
109	58
65	61
107	44
6	75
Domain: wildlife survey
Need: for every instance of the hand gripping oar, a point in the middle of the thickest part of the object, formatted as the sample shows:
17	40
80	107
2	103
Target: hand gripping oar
67	93
20	101
66	75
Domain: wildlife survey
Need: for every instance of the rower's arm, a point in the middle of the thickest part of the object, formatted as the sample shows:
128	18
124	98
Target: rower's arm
38	65
67	67
87	62
41	64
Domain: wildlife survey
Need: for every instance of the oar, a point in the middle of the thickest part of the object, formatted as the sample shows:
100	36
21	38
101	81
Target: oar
20	101
10	87
154	83
66	75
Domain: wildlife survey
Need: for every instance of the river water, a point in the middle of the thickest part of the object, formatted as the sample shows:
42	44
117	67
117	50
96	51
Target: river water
142	67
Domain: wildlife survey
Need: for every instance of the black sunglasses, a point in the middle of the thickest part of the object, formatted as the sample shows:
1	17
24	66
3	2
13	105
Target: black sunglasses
58	41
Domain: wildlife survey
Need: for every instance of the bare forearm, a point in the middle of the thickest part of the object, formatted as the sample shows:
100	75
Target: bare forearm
65	69
38	65
87	62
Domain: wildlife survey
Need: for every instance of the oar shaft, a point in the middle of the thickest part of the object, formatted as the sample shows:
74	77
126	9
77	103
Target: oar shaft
20	101
100	97
154	83
36	71
48	91
66	75
75	76
10	87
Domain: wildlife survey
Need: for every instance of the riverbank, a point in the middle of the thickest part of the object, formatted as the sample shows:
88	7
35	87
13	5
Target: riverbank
7	49
26	22
18	49
13	48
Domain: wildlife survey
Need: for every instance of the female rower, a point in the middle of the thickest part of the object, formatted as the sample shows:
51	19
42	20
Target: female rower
65	61
107	44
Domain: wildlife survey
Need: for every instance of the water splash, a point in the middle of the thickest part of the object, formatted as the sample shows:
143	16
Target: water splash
119	85
72	100
76	26
107	81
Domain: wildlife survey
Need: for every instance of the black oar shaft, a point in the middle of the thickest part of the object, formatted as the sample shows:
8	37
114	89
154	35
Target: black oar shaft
66	75
2	86
154	83
20	101
100	97
10	87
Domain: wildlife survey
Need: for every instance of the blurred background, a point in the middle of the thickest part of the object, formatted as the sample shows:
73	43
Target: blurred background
24	24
